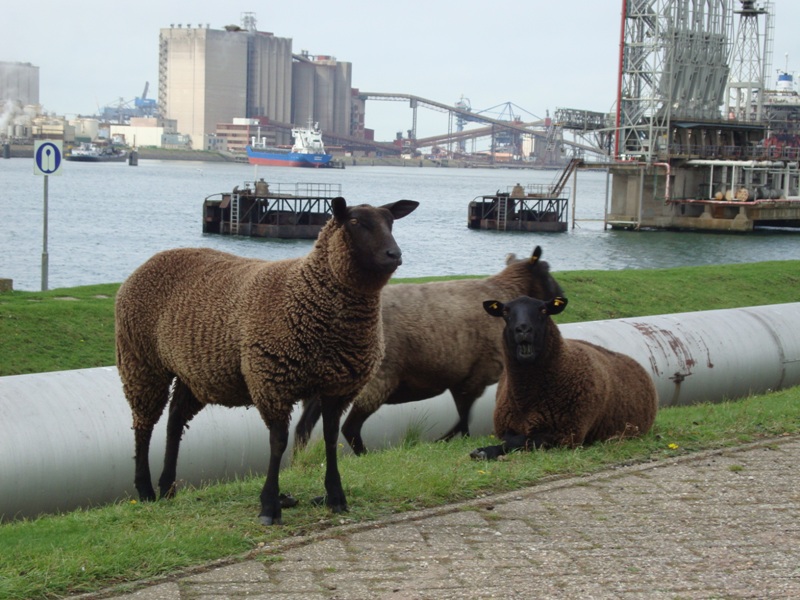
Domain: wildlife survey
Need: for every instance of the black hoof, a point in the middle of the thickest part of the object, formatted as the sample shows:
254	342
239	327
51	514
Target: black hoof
487	453
147	497
288	501
335	508
267	521
478	454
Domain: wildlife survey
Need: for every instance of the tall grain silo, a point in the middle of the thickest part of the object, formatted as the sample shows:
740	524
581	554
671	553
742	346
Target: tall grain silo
303	76
19	83
269	90
342	97
324	88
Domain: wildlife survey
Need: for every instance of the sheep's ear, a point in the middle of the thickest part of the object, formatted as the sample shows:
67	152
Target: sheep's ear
493	307
556	305
401	208
537	253
339	208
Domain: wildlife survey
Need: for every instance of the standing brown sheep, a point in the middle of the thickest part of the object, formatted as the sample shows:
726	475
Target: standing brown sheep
237	332
439	338
557	392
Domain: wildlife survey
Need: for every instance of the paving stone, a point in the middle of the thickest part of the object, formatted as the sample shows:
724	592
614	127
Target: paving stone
723	524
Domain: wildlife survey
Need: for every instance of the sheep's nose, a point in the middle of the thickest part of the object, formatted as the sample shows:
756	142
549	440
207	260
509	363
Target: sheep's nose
395	254
524	327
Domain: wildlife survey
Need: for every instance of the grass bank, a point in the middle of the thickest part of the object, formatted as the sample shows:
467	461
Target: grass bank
92	549
73	328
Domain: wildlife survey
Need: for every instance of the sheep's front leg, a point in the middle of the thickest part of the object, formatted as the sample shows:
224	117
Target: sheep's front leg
332	409
142	481
270	494
511	442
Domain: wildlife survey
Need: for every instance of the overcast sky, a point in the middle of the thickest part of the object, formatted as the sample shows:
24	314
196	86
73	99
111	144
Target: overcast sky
537	55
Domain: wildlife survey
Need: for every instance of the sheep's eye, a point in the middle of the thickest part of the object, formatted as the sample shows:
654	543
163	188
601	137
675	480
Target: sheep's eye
544	311
353	221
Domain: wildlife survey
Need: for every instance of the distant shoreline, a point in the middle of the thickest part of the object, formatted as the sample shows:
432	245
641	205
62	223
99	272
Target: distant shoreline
26	151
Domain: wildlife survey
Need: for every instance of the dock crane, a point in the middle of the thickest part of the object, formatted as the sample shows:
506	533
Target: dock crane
145	105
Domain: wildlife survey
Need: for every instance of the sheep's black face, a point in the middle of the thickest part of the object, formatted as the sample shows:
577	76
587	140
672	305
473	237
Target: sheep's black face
526	323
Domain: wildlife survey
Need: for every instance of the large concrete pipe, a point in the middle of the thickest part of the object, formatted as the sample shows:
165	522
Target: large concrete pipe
65	437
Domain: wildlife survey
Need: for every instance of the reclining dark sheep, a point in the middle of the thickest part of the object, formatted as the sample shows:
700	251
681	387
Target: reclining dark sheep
237	332
438	338
557	392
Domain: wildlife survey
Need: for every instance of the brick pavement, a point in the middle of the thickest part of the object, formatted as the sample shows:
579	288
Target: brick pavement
721	524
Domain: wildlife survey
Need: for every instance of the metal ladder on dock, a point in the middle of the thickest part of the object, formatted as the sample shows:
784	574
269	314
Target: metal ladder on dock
234	214
502	212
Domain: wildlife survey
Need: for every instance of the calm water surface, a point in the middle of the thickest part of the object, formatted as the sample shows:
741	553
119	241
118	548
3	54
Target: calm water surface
106	219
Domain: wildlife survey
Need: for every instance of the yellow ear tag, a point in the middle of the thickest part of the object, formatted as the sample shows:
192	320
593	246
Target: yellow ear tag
534	259
558	302
494	305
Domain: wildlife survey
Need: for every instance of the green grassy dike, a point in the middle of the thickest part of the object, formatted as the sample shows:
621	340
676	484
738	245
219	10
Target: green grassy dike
92	549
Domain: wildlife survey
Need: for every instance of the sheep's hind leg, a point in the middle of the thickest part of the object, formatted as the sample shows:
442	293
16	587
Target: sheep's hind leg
351	429
147	400
182	408
464	395
464	402
309	418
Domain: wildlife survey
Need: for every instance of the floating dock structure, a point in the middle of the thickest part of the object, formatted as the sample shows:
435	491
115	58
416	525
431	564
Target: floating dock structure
261	209
535	207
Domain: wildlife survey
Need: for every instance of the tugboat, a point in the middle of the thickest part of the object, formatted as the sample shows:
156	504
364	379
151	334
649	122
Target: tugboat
88	152
307	151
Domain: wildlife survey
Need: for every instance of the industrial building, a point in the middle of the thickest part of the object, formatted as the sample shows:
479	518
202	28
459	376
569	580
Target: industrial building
209	77
19	83
681	163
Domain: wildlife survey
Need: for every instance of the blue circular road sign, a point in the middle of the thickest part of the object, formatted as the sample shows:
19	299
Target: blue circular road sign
48	158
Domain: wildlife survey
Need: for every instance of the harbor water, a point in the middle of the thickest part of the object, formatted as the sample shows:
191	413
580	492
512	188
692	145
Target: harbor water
105	219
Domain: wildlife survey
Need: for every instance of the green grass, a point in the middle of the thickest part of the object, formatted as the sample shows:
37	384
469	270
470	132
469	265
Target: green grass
74	327
57	330
96	548
92	549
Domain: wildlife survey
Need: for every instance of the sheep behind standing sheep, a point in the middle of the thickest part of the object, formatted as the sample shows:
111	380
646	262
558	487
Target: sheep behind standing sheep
437	338
557	392
238	332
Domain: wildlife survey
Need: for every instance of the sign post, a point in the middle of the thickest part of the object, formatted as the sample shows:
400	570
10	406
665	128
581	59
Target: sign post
47	157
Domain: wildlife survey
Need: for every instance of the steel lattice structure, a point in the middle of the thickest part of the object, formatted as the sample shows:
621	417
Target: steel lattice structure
750	60
673	65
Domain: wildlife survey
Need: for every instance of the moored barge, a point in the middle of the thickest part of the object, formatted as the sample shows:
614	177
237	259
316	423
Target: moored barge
534	207
270	210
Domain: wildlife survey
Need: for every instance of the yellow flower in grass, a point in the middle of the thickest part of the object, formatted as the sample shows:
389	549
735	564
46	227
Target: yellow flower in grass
673	446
